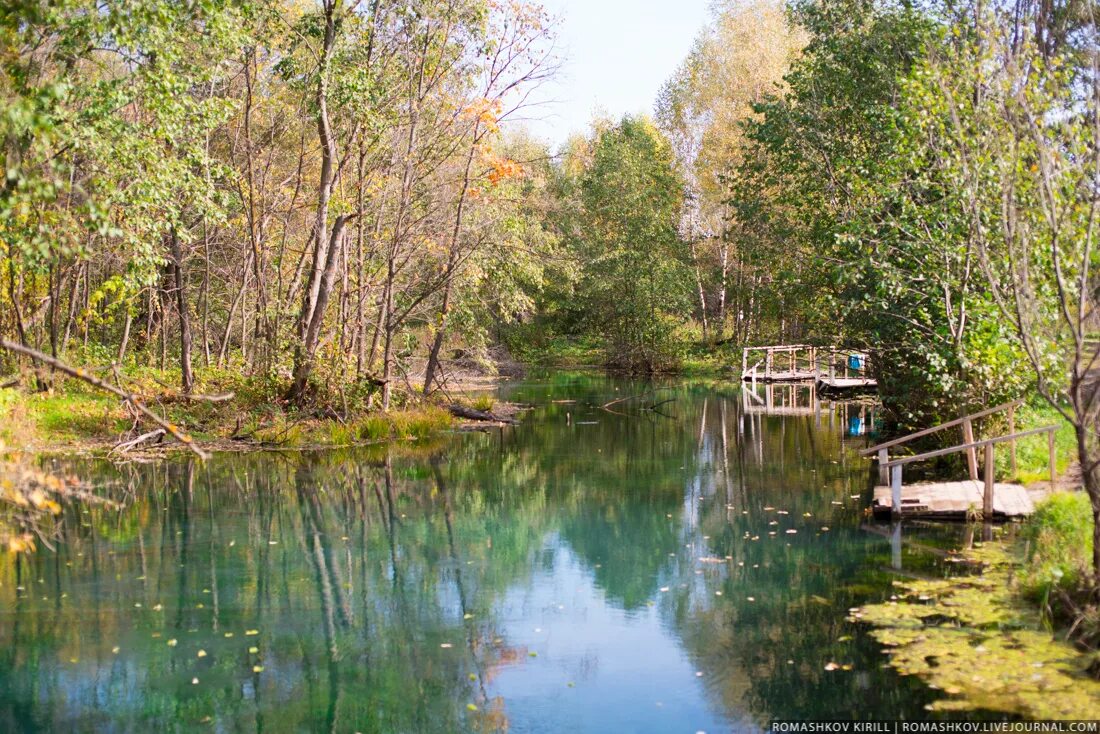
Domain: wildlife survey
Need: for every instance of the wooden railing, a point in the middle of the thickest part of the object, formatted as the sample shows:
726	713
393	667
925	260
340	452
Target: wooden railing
988	445
967	424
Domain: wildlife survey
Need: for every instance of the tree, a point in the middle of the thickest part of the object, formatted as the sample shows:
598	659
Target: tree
1011	109
635	281
738	60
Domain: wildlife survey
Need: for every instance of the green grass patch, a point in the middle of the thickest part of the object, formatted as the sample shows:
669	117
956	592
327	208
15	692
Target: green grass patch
483	402
1032	456
1057	546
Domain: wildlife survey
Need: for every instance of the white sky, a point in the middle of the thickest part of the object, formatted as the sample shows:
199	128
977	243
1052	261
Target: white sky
617	54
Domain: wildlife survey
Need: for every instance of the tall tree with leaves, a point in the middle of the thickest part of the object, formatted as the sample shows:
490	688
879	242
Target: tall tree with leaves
636	283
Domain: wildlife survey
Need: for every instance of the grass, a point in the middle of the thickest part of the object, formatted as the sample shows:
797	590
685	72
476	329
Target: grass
1032	463
72	414
483	402
1057	545
1056	567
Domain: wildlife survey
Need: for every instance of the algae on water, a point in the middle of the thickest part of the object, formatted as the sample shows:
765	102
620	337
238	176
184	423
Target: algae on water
968	636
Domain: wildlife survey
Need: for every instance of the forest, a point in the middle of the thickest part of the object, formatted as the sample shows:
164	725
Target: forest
300	224
341	199
335	207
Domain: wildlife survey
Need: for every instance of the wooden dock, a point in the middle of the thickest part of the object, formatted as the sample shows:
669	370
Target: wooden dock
987	498
830	368
952	500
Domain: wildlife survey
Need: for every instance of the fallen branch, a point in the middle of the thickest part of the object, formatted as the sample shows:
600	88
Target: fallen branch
462	411
126	446
127	398
609	403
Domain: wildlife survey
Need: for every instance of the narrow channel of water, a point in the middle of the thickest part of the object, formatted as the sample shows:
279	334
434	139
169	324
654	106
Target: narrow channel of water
687	568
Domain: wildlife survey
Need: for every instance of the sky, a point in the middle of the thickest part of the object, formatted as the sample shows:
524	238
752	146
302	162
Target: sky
617	54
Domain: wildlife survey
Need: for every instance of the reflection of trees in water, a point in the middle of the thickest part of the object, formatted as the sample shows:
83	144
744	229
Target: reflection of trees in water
768	656
277	546
356	567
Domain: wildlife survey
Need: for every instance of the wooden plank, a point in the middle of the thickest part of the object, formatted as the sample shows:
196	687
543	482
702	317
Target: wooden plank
971	452
987	477
952	500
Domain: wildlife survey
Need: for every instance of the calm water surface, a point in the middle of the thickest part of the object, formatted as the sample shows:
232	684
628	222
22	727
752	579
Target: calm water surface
679	570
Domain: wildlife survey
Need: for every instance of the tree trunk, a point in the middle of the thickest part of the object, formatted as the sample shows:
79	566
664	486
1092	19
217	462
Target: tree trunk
187	379
437	342
313	300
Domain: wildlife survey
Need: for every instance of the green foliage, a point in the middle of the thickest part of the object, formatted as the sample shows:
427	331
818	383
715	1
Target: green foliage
1058	546
872	243
634	285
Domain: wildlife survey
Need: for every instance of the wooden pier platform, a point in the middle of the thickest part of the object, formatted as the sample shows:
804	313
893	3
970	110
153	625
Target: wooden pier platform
830	368
952	500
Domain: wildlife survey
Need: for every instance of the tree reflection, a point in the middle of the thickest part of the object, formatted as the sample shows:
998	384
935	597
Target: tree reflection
369	590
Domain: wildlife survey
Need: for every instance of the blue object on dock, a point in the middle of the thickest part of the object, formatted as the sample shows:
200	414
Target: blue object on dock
856	361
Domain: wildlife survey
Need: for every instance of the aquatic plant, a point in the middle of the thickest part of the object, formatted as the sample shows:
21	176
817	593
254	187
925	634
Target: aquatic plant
970	637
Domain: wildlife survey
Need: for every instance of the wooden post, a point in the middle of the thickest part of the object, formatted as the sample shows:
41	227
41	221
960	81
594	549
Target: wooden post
1012	443
832	365
1050	458
971	454
883	457
895	488
744	362
987	497
768	364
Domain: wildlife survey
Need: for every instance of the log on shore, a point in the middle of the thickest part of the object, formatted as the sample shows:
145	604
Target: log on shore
461	411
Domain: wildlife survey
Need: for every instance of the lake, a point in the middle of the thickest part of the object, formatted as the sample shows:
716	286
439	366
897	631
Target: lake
669	563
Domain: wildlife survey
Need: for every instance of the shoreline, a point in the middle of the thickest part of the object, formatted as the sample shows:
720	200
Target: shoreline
65	423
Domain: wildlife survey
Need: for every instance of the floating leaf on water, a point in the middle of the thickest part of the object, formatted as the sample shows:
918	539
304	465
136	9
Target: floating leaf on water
228	634
571	684
172	642
750	598
467	615
202	653
252	632
533	654
831	666
194	681
664	588
253	649
115	649
257	668
471	707
472	676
